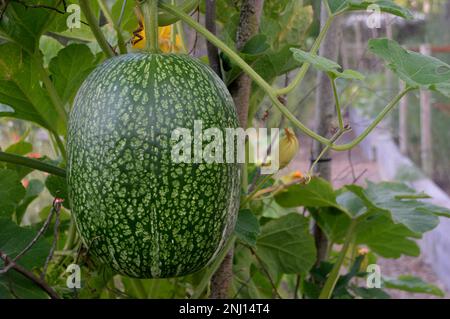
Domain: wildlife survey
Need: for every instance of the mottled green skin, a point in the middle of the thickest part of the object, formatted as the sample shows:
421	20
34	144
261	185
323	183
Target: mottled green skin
136	209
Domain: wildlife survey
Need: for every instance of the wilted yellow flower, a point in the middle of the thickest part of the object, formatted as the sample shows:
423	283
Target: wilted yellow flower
292	177
165	43
288	147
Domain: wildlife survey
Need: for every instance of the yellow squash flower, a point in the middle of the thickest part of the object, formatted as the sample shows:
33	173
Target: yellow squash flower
165	43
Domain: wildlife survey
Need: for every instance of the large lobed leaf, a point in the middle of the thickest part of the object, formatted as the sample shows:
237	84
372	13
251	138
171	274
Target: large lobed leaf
389	216
412	284
20	88
415	69
70	68
317	193
286	245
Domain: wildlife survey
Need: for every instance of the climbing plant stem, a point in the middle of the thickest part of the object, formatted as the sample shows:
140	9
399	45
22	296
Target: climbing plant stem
336	137
376	121
273	94
338	104
245	67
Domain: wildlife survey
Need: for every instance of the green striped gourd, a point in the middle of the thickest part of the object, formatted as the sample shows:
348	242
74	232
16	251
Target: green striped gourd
137	210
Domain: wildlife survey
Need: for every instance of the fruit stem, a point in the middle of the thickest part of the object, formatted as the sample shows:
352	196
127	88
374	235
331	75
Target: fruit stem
150	12
32	163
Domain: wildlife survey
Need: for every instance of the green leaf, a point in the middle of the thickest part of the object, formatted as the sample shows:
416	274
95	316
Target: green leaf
49	47
416	215
256	45
285	22
35	187
20	88
318	62
395	199
286	245
350	75
325	65
332	221
129	19
11	192
247	227
317	193
20	148
354	204
415	69
268	65
443	88
13	239
386	238
412	284
14	285
70	68
24	26
370	293
57	186
247	279
341	6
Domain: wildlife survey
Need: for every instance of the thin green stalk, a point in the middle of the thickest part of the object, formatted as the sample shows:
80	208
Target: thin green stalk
52	93
180	32
305	66
150	12
245	177
336	137
376	121
93	25
333	277
120	40
54	144
338	104
32	163
60	145
212	269
173	34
